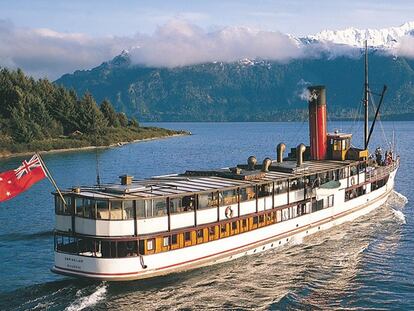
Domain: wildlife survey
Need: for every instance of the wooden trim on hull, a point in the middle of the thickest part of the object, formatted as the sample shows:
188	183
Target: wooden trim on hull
212	258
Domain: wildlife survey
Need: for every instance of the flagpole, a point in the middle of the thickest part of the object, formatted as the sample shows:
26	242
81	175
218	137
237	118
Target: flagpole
49	176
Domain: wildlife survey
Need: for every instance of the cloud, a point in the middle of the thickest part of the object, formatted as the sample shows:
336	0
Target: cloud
179	43
48	53
405	47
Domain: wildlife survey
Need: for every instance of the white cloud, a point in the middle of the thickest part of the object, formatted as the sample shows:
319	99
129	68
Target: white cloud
179	43
47	53
406	47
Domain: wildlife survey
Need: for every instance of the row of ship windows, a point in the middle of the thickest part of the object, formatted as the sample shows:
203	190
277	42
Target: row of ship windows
125	209
111	249
118	210
358	191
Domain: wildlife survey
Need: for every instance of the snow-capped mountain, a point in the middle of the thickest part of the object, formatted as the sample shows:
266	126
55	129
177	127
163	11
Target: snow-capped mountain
385	38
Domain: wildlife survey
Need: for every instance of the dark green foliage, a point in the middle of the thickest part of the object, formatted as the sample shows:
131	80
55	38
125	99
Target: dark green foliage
110	114
123	119
265	91
133	122
38	115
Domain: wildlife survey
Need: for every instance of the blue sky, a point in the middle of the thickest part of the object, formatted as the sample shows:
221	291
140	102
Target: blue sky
126	17
48	38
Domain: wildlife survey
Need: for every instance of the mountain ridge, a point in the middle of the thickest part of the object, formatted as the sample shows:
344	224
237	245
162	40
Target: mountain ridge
251	89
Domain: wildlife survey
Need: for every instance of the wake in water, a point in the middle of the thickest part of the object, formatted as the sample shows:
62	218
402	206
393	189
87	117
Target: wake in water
88	301
396	202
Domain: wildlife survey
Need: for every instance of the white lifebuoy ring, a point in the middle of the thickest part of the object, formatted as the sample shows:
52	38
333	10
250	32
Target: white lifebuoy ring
352	181
228	212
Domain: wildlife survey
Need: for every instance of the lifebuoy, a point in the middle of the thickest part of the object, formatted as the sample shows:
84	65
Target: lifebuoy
352	181
228	212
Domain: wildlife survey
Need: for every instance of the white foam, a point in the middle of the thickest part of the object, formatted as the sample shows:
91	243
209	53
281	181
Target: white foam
88	301
399	215
401	196
296	240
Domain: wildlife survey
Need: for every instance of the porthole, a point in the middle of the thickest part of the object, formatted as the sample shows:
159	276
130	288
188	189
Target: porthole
263	248
319	228
255	251
297	225
306	231
287	240
280	242
271	245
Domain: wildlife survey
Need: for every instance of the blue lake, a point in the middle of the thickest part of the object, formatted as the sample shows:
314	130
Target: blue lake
364	264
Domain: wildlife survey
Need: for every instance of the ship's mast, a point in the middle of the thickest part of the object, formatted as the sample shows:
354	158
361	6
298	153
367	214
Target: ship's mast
366	91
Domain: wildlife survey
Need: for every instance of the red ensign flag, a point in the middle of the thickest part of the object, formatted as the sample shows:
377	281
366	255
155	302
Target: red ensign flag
16	181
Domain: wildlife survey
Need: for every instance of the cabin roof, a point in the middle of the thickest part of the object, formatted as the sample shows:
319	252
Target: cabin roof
207	181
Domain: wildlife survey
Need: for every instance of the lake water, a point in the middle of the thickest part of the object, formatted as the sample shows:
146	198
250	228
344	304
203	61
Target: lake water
364	264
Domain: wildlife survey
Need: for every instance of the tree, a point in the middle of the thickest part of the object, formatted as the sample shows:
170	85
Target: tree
91	119
133	122
110	114
123	119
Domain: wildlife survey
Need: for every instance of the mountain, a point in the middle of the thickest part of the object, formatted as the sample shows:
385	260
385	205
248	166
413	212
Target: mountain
386	38
254	89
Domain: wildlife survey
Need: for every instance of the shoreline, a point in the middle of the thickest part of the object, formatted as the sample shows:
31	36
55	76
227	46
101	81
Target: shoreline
118	144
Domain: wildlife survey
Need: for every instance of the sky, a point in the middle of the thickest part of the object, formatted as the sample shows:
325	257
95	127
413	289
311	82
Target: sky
52	37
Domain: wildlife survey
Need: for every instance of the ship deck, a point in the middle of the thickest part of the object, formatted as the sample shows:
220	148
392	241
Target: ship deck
200	181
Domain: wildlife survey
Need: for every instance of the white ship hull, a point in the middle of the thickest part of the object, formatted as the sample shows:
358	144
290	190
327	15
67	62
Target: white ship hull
248	243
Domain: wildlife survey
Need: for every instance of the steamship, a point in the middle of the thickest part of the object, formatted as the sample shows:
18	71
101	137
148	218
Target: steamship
138	229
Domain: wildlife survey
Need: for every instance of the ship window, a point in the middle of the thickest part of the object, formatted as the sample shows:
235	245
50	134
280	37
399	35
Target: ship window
234	225
102	208
285	214
128	209
261	218
140	204
89	210
150	244
265	190
174	239
176	206
255	220
127	249
149	208
212	230
61	208
207	200
166	241
247	193
244	222
278	216
317	206
330	200
223	228
281	187
79	207
160	207
116	210
200	233
187	236
228	197
188	203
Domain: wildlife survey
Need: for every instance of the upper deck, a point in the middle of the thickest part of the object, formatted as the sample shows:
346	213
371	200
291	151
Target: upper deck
194	182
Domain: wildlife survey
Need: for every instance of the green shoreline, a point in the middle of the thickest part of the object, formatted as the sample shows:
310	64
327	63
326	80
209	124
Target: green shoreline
5	154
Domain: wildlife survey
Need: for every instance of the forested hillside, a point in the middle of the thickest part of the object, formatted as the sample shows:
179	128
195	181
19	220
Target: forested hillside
247	90
38	115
